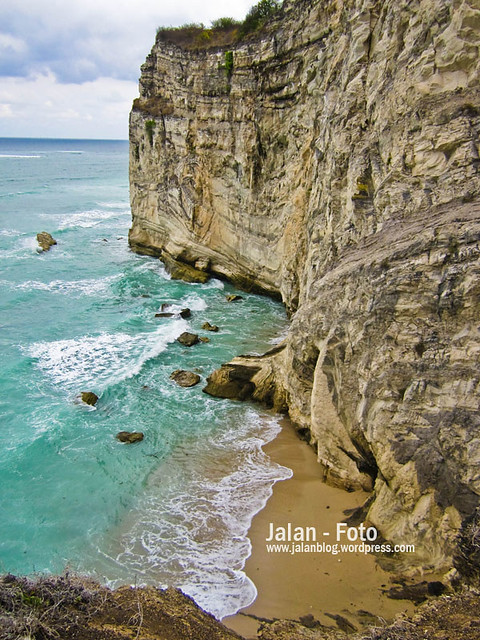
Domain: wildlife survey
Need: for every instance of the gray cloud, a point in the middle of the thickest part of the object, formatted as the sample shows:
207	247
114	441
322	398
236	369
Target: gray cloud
69	68
81	40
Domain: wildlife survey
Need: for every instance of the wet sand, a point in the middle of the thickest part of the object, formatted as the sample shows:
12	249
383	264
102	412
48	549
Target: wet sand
290	586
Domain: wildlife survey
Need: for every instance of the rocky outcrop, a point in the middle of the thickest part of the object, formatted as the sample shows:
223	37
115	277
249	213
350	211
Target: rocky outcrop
181	271
452	616
76	607
337	166
251	378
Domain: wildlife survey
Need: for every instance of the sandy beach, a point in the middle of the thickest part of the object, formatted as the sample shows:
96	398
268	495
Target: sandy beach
317	583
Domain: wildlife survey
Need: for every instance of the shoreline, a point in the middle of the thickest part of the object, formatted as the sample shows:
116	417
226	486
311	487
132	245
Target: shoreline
316	584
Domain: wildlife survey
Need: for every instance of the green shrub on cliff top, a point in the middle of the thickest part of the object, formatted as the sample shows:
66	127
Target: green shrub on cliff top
258	15
224	23
223	31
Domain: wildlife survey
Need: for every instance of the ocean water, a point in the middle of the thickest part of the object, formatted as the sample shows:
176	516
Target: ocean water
174	509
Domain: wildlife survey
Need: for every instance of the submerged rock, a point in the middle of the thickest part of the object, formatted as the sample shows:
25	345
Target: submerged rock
184	313
45	240
130	437
88	397
417	593
188	339
209	327
185	378
204	339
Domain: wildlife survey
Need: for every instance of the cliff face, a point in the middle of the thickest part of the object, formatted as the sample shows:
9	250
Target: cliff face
337	165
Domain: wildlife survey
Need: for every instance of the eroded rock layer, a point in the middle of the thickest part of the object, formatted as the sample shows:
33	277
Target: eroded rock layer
337	165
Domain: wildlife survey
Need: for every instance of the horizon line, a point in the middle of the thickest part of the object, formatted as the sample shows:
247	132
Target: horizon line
61	138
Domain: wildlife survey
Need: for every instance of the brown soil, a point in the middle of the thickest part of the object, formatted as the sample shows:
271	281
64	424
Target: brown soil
74	608
80	609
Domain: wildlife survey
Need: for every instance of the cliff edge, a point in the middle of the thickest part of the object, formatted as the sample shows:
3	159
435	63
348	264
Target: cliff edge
333	160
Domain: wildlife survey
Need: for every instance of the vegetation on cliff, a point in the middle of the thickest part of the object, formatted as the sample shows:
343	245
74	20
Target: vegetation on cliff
223	31
78	608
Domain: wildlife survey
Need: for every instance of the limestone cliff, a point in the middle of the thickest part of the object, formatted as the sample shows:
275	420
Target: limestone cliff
336	164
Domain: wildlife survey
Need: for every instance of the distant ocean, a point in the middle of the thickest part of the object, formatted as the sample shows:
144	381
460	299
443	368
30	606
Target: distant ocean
174	509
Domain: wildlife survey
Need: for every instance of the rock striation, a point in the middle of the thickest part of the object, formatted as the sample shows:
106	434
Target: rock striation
336	165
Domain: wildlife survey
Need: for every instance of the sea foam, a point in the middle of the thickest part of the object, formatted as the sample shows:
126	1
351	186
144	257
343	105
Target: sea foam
101	360
190	529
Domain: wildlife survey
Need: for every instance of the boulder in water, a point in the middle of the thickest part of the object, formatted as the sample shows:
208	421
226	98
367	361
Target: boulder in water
129	437
233	297
185	313
185	378
88	397
188	339
45	240
209	327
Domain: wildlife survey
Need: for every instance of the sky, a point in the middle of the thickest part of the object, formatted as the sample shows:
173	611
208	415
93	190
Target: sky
70	68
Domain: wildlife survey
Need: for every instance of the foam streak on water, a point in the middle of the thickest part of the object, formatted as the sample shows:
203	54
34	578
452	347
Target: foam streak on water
101	360
174	509
196	512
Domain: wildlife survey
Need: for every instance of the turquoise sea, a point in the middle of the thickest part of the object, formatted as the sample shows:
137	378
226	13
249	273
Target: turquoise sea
174	509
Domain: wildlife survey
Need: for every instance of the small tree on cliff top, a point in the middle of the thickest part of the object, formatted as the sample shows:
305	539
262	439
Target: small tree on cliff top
259	14
224	31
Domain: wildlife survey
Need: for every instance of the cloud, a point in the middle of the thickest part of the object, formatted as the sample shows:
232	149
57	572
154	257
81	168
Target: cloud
81	40
83	57
42	107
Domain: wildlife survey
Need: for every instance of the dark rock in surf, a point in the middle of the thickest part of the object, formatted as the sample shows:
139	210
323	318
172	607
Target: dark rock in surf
209	327
88	397
188	339
185	378
129	437
45	240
